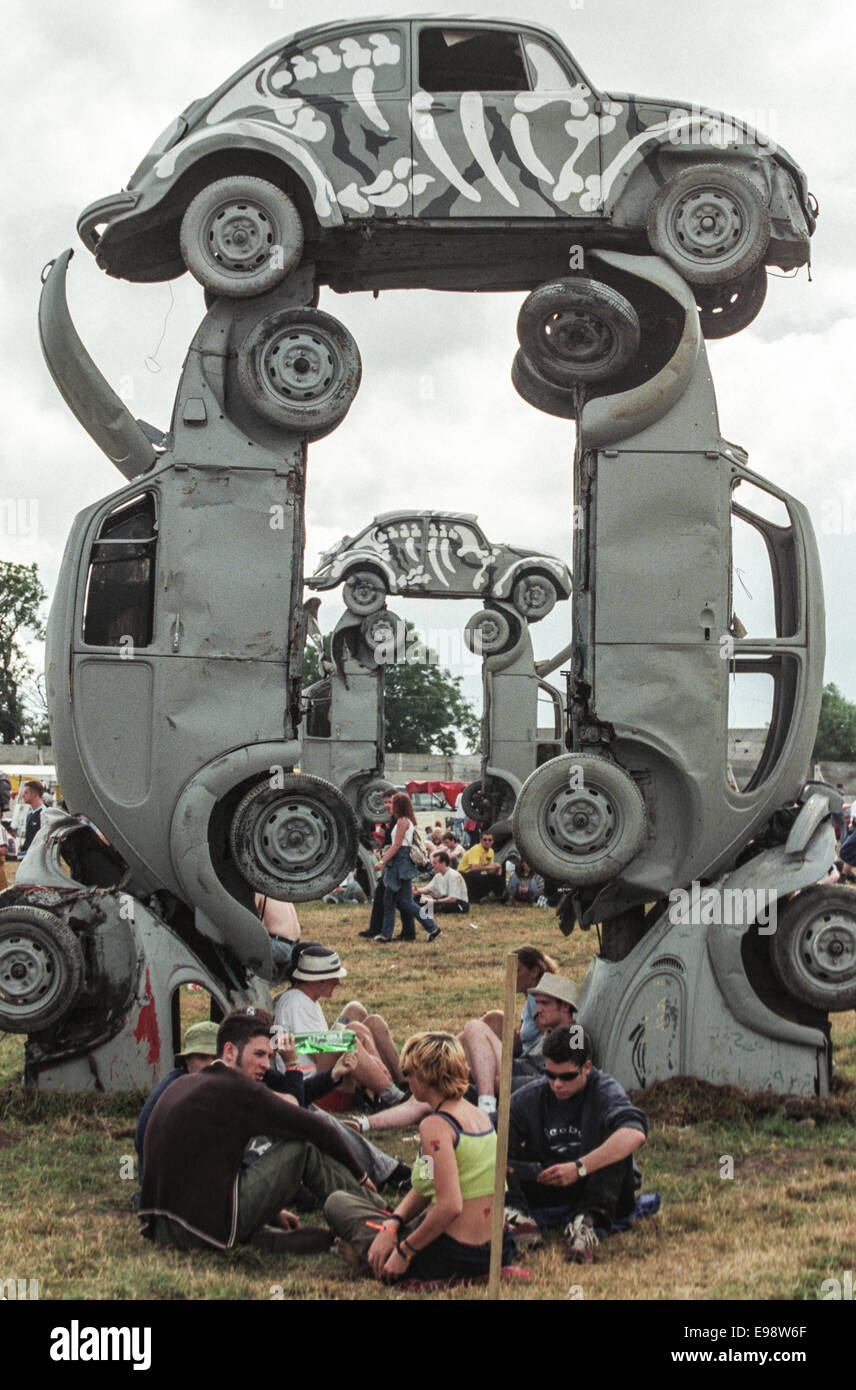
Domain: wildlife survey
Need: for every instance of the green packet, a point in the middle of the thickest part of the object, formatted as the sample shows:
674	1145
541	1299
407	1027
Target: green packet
342	1040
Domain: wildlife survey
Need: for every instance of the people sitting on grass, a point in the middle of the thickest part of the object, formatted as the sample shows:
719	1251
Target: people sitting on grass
348	891
532	965
572	1136
195	1191
524	886
200	1050
484	878
446	892
453	848
314	973
441	1229
555	1004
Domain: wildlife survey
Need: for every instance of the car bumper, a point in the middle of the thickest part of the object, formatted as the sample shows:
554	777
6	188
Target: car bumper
104	210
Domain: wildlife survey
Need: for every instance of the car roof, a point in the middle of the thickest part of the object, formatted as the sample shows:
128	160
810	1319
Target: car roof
348	26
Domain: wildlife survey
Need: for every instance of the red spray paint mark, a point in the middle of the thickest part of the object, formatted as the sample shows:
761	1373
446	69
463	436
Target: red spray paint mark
147	1025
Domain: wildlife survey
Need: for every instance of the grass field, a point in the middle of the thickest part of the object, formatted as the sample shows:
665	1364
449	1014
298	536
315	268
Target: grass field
782	1224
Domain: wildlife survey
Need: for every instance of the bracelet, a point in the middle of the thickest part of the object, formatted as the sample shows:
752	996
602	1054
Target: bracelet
394	1216
405	1251
364	1179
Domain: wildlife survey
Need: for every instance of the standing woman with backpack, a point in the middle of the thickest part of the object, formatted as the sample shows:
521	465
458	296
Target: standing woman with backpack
399	871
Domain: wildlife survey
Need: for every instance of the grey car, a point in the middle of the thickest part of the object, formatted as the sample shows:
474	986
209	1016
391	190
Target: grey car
446	153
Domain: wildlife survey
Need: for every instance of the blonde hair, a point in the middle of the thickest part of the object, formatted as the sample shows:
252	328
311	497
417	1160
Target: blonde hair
439	1061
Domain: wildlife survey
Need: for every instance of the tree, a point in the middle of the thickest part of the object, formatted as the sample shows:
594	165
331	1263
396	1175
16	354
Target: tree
21	596
836	730
423	706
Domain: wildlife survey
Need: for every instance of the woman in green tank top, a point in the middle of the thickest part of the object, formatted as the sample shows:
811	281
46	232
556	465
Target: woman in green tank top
441	1229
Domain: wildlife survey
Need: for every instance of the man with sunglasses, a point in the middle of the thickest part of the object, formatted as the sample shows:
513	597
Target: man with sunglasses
571	1142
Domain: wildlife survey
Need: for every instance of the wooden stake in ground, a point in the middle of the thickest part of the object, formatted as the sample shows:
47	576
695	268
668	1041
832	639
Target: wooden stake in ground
503	1107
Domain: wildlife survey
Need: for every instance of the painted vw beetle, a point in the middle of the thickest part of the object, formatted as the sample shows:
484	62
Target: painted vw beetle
483	140
438	555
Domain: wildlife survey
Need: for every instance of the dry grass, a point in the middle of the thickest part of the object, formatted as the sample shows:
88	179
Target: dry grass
783	1223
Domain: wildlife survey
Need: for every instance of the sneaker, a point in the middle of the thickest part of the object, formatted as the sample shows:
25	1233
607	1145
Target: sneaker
368	934
580	1240
433	934
399	1178
384	940
519	1223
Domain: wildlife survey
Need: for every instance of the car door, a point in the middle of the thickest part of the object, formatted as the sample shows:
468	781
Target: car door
503	125
346	93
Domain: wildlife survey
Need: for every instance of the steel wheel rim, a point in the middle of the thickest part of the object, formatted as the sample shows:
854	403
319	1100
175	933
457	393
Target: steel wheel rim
239	236
581	822
293	839
709	224
578	338
824	950
28	975
301	364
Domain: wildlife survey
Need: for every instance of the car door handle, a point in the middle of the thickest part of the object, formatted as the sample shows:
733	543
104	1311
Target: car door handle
440	106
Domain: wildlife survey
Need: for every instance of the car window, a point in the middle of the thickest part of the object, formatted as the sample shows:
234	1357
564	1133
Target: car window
548	75
120	585
471	60
343	66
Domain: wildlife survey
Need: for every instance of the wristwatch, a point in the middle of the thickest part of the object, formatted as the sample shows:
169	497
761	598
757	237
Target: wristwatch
581	1168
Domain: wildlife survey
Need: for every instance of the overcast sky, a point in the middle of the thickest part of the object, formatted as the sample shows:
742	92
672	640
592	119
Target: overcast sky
436	422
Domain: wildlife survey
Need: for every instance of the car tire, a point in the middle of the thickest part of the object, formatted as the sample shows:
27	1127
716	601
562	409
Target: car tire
41	969
294	842
710	223
726	309
576	331
534	596
477	802
490	632
579	819
300	369
537	391
370	807
241	236
364	592
385	635
813	949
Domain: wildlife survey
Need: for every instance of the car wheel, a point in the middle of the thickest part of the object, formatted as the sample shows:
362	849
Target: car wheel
538	391
534	596
813	949
41	969
370	807
577	331
490	632
364	592
300	368
725	309
579	819
710	223
385	635
295	842
486	805
241	236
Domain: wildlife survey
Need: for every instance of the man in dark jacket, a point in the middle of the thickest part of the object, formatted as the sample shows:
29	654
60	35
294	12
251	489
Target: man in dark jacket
571	1140
32	794
195	1192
